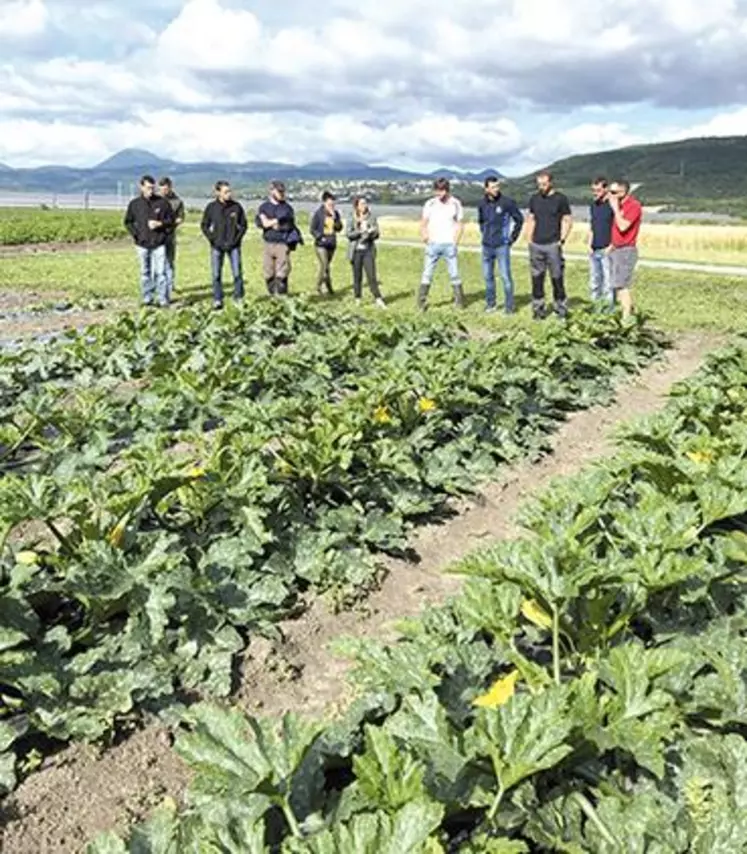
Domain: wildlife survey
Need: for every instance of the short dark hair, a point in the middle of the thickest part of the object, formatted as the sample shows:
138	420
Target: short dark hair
441	184
624	183
147	179
601	180
219	185
277	185
326	196
491	179
545	173
165	182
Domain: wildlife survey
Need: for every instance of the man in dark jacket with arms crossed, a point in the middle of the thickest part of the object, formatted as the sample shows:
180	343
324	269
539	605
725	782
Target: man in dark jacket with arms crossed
150	220
224	225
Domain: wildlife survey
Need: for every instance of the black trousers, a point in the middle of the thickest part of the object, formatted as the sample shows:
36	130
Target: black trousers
543	259
365	260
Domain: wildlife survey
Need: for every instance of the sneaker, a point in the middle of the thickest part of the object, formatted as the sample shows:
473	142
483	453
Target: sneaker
380	303
217	306
490	309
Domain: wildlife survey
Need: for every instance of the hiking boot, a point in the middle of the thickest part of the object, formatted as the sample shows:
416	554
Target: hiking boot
539	312
423	297
561	310
458	296
217	305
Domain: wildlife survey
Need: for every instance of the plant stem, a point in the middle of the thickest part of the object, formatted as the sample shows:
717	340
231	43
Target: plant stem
589	811
556	644
496	803
61	538
291	819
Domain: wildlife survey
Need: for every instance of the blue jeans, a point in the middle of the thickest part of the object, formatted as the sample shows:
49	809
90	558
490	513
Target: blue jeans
501	254
153	280
217	257
600	276
436	251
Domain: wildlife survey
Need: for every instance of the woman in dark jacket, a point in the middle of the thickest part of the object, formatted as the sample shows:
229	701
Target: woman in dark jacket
363	232
324	225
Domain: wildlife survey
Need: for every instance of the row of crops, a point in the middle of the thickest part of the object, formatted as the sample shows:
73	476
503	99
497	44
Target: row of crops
174	485
587	692
19	226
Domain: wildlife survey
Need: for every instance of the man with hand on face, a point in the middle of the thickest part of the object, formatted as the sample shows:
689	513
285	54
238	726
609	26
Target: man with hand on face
500	223
549	224
224	225
601	217
324	226
277	220
624	253
150	220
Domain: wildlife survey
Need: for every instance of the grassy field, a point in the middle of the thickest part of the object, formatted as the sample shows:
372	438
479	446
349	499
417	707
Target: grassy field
676	300
701	243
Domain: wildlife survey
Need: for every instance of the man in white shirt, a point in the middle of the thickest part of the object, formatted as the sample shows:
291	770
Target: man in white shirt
441	228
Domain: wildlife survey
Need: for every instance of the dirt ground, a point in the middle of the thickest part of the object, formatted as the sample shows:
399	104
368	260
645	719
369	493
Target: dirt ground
55	314
82	791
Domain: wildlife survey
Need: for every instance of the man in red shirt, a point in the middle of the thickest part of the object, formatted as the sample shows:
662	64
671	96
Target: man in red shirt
624	248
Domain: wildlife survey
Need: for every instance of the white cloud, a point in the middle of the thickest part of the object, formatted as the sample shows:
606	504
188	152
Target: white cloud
393	80
20	19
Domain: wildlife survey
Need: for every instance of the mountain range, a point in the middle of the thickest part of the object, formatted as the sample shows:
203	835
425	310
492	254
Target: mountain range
125	167
702	174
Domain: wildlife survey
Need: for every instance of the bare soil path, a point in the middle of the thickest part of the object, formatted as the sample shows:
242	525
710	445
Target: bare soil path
83	791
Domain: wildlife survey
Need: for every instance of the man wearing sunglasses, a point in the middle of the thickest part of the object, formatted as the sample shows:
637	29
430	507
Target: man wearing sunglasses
626	226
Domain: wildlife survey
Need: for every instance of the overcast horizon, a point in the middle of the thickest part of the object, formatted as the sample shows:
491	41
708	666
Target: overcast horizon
415	84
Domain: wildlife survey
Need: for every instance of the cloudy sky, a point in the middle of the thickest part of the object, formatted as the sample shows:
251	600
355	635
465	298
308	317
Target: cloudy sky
512	84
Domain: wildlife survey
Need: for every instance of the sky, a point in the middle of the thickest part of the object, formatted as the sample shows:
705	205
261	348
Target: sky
507	84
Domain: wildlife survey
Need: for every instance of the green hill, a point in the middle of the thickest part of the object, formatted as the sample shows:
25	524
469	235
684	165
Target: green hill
692	174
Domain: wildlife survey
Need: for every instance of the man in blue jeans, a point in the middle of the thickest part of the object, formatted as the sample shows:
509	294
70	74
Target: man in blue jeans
500	222
441	227
224	225
150	221
601	217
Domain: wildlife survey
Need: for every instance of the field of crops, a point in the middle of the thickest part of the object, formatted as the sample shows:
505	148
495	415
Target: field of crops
587	692
19	226
174	485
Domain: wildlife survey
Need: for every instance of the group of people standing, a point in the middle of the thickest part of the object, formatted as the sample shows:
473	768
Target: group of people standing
153	219
615	220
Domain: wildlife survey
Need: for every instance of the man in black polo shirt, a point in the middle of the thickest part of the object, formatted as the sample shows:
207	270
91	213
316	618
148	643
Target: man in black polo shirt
549	224
601	217
277	220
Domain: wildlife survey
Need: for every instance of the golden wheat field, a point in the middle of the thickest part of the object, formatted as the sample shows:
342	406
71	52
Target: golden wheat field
712	244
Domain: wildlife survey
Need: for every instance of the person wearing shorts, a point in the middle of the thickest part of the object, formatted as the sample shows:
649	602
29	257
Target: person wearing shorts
624	252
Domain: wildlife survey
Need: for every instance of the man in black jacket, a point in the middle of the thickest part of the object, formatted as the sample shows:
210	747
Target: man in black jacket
224	225
325	223
150	220
166	188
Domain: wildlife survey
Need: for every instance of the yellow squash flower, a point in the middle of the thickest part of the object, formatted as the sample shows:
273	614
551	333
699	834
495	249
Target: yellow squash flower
27	558
381	415
426	404
500	692
533	611
701	457
196	472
